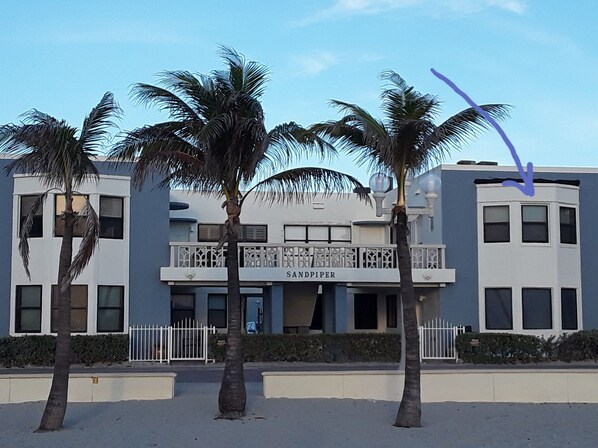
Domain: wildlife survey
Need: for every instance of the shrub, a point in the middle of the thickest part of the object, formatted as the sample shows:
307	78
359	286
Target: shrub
578	346
499	348
313	348
39	350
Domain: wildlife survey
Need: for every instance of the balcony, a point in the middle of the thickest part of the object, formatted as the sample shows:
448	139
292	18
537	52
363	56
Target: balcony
264	263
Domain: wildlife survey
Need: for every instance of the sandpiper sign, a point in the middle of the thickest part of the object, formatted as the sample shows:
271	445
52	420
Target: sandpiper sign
311	274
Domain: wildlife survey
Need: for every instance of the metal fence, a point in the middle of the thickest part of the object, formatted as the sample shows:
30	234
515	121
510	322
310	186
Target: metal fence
437	340
185	341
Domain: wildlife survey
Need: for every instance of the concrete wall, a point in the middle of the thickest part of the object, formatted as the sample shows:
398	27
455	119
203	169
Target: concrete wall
493	386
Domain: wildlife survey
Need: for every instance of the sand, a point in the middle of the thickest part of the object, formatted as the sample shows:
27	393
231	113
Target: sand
188	421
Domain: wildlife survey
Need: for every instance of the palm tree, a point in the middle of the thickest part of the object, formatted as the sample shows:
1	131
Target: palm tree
406	140
51	149
216	142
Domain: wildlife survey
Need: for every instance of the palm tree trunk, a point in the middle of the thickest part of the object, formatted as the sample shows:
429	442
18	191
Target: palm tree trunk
409	414
232	396
55	409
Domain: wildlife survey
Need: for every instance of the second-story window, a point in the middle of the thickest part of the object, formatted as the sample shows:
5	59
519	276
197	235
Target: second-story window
568	225
496	224
317	234
78	206
255	233
111	217
37	226
534	220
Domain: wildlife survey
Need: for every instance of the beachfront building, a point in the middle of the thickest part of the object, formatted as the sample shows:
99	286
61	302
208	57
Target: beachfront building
483	256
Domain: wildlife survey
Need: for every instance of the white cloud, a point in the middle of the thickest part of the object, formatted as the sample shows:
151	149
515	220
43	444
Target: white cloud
372	7
314	63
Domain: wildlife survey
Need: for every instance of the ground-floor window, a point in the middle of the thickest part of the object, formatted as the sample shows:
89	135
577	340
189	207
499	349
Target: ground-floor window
28	316
78	308
110	309
217	310
499	309
391	311
316	319
569	308
537	308
366	311
182	308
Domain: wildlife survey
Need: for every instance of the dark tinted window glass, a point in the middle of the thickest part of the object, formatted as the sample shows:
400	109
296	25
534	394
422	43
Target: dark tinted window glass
499	309
78	308
537	309
496	224
391	311
111	217
28	312
37	225
110	308
366	311
78	206
568	225
534	223
569	308
217	310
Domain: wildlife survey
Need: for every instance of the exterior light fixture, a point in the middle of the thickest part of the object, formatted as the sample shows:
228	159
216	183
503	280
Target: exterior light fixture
430	185
379	184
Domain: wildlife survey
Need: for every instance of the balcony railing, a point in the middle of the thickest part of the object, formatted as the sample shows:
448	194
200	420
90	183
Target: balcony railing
206	255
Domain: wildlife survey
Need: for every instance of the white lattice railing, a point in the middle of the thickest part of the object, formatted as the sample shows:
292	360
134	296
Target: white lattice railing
206	255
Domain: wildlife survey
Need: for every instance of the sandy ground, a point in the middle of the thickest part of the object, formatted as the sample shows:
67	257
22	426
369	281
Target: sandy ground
188	421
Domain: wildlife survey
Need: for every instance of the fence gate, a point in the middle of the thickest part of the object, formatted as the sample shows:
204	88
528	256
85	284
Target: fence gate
437	340
185	341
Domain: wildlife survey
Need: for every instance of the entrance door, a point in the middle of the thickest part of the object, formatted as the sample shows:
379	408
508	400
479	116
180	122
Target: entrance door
254	314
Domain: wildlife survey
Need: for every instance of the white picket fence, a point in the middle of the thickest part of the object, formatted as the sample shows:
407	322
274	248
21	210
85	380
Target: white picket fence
186	341
437	340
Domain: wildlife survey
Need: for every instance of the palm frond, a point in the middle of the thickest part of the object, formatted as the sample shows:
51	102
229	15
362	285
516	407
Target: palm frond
164	99
25	231
97	123
89	242
294	185
462	127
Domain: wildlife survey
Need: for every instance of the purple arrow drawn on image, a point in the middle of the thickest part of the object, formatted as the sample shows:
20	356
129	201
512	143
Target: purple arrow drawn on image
528	178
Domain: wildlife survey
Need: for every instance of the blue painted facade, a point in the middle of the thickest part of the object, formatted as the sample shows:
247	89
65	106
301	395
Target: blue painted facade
5	246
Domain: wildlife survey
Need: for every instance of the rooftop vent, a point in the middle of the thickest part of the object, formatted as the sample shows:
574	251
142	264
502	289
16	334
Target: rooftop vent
466	162
487	162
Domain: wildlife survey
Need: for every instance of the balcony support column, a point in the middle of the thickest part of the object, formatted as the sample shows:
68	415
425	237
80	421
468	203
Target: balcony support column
273	309
334	308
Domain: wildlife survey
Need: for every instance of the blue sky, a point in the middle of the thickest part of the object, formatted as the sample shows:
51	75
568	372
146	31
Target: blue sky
541	56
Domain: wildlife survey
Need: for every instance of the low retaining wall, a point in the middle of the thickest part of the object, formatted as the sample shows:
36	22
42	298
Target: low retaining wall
89	387
501	386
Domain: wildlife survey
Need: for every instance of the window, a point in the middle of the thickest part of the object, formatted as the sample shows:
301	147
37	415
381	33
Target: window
499	309
256	233
78	308
110	308
391	311
569	308
182	308
217	310
537	308
317	234
366	311
496	224
568	225
28	309
37	226
78	206
534	223
111	217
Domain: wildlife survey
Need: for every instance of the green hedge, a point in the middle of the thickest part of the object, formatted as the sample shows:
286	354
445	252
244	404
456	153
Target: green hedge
358	347
499	348
579	346
39	350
